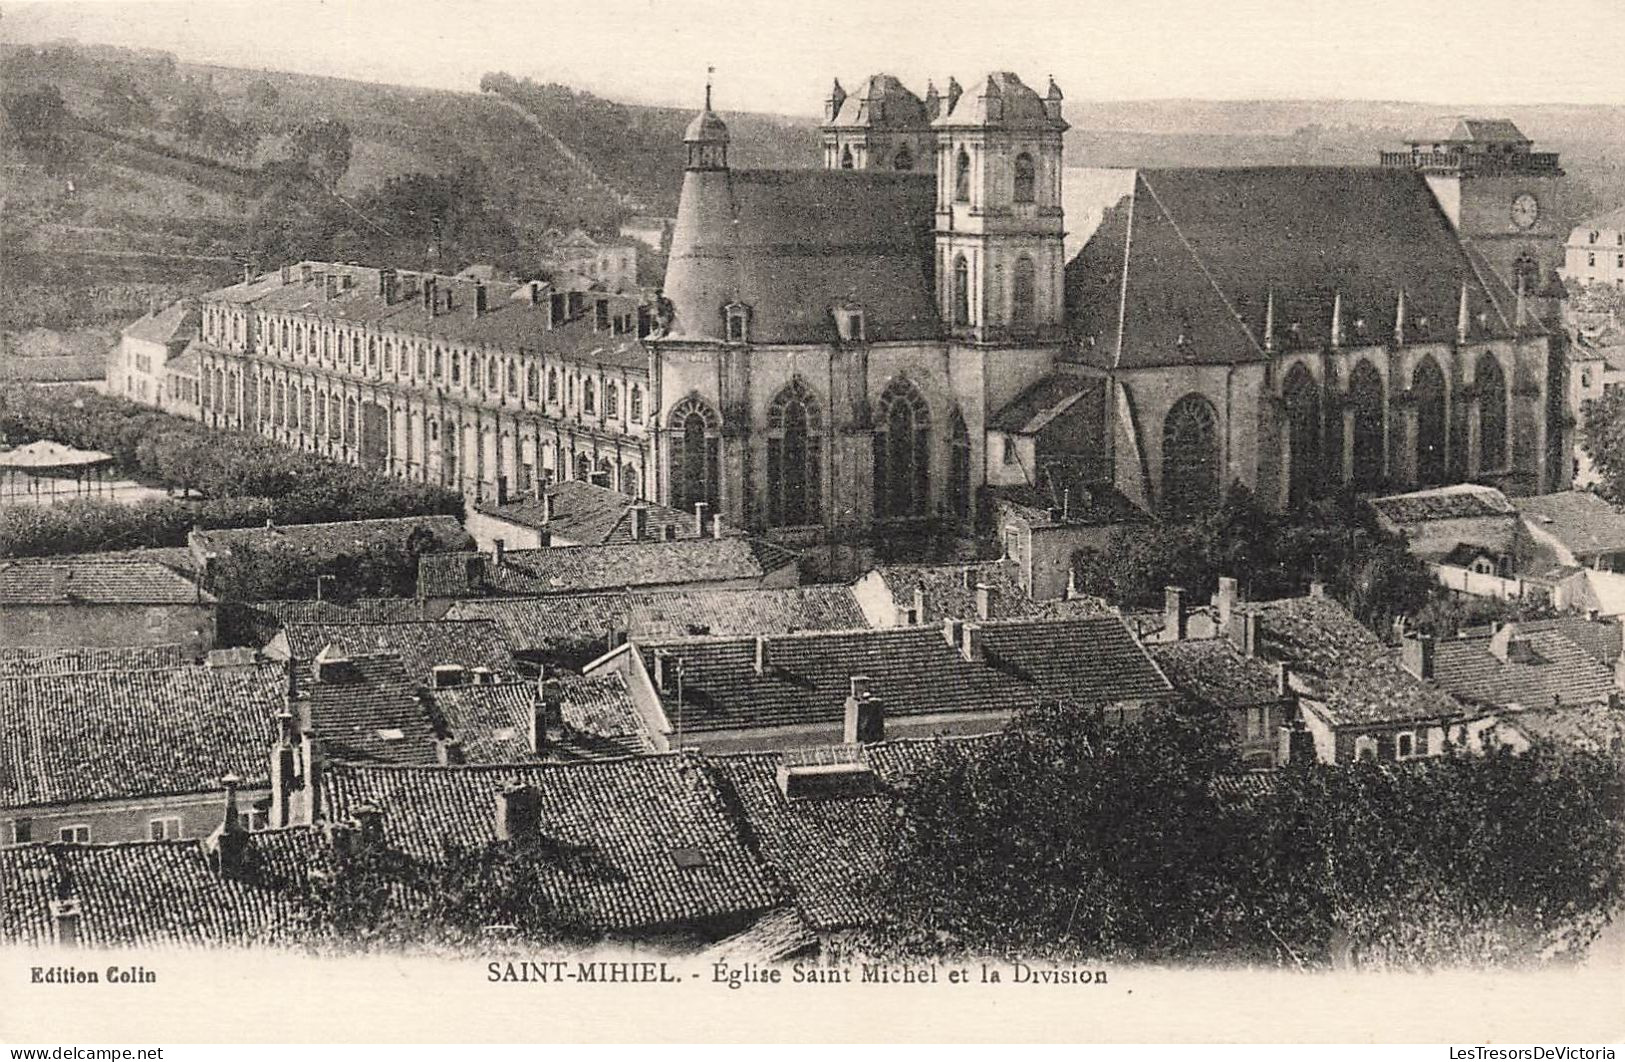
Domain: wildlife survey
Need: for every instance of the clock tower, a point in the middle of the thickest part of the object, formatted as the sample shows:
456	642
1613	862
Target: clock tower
1504	199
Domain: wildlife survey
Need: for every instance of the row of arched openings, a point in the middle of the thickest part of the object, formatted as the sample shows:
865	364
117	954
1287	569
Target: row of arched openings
1023	293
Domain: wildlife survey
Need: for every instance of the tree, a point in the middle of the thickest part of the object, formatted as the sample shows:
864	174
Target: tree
41	123
262	94
323	148
1603	435
122	104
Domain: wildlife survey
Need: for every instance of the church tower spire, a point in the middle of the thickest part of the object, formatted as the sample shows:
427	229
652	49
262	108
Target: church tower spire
707	135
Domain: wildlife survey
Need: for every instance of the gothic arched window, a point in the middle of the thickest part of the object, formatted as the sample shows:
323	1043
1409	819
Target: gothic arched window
1023	295
903	160
282	403
1366	396
695	436
902	479
962	177
961	291
1301	396
794	457
1190	457
1427	389
1492	413
959	473
1026	178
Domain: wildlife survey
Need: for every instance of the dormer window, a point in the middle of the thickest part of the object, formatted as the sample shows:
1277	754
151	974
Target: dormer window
738	317
849	323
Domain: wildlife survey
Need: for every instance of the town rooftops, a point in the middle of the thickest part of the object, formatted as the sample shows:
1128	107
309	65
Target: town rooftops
1601	638
950	591
792	246
1583	523
805	678
422	645
30	662
1596	727
426	533
515	315
84	582
1217	674
1354	678
1224	266
640	843
589	515
583	569
257	622
366	708
1533	668
573	629
1068	501
104	735
175	323
492	723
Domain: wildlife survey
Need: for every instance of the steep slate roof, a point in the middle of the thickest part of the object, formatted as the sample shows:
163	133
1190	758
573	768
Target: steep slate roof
1182	271
912	669
584	569
643	842
160	894
421	644
793	244
590	515
367	709
508	323
174	322
577	626
1045	399
881	101
1552	668
1583	522
492	722
103	735
1354	676
340	538
103	582
1216	673
1001	99
1457	127
30	662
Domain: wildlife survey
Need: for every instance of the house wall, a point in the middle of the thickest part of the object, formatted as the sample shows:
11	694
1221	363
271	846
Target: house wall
113	821
485	529
192	626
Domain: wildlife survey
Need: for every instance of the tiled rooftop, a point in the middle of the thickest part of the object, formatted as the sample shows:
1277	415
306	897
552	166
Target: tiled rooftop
366	708
1542	667
1584	523
1460	502
1214	672
260	621
493	722
100	582
950	592
1592	727
421	645
436	533
584	569
27	662
108	734
590	515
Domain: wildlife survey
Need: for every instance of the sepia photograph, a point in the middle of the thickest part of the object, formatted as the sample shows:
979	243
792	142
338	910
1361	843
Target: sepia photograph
670	521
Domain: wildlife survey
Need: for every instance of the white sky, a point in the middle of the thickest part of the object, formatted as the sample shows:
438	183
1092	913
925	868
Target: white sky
773	55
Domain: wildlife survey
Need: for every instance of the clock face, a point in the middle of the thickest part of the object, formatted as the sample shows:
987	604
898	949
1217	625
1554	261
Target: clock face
1525	210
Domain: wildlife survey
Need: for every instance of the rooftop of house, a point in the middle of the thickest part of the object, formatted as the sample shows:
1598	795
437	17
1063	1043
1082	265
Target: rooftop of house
1069	500
175	558
515	316
1461	501
949	591
79	581
422	645
1584	523
584	569
492	723
589	515
1594	727
1516	665
426	533
579	627
102	735
640	843
1205	266
1045	399
1215	673
1349	672
1459	128
806	677
30	662
366	708
174	323
1608	221
257	622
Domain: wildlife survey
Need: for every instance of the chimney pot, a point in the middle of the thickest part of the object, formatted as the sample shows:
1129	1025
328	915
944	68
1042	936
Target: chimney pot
1416	654
640	522
984	601
1224	601
1175	617
761	654
699	519
449	752
972	641
716	526
499	551
518	812
919	604
65	915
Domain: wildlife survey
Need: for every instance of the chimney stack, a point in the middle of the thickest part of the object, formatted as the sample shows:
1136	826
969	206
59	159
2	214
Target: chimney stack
1317	588
640	522
919	604
1224	602
369	820
518	812
865	718
225	845
1416	653
479	299
761	654
547	716
1283	678
716	526
984	601
1243	632
699	519
284	769
1175	618
547	506
65	916
499	552
448	751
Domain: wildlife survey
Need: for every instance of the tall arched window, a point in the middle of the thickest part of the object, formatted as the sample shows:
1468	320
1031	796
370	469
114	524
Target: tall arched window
846	158
513	378
902	481
631	484
321	413
350	406
1026	178
282	403
1492	413
1367	399
552	385
1190	457
335	416
1023	295
794	457
962	177
959	473
612	400
695	453
439	362
961	291
533	383
1301	396
903	160
589	396
637	404
491	376
584	467
1427	390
